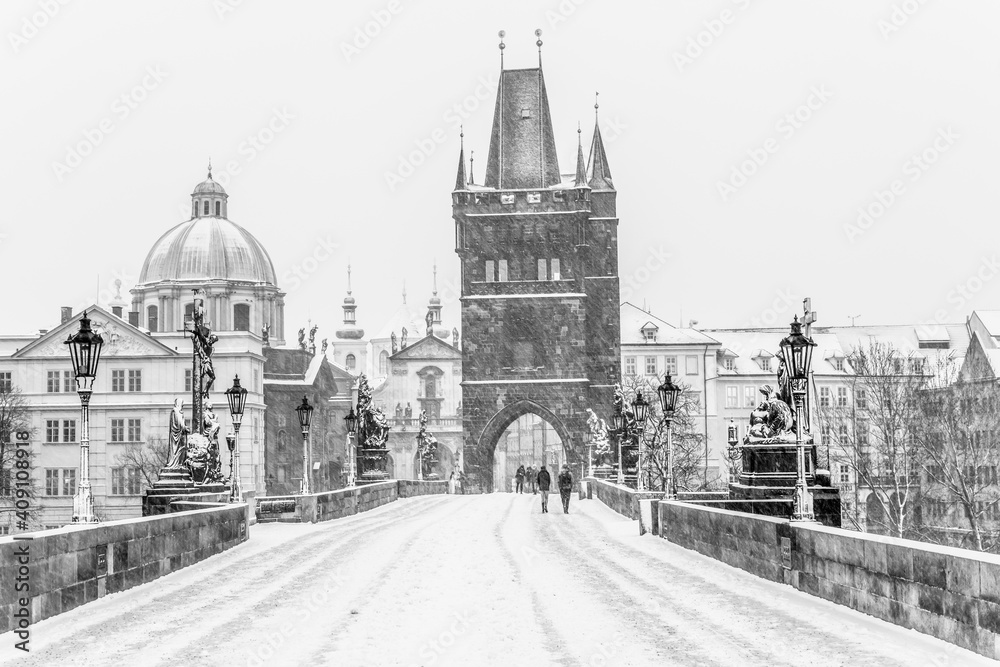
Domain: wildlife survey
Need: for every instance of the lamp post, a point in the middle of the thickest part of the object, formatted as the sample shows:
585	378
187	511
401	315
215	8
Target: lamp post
669	393
237	397
640	408
618	424
352	429
85	352
796	351
305	416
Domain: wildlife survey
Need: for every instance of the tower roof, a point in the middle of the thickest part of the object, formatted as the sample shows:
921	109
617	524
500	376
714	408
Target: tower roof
460	180
598	171
522	144
581	167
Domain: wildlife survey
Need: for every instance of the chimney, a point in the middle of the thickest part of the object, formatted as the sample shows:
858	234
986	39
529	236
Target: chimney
65	314
117	312
133	318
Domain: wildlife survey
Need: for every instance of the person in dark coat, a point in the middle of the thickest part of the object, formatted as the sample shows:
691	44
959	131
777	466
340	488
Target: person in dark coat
544	480
565	487
519	478
530	477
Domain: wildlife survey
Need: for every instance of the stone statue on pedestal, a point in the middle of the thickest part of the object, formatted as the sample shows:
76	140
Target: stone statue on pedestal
395	347
177	437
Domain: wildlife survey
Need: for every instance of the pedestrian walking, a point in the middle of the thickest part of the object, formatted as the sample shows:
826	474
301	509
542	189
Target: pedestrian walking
519	479
544	481
565	487
529	477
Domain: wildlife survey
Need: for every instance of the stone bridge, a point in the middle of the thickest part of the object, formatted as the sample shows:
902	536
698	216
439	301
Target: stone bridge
489	580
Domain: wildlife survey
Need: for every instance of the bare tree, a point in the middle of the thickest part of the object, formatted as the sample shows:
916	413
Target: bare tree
959	419
149	458
13	486
875	435
688	444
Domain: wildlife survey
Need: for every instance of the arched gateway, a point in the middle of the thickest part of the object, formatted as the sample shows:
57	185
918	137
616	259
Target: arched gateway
540	291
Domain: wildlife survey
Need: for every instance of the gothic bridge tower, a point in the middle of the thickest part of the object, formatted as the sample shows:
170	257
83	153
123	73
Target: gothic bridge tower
540	290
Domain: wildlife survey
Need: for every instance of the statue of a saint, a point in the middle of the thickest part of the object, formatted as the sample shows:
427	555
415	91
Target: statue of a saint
265	334
302	338
409	411
211	422
312	339
454	338
402	340
395	348
177	437
772	418
323	349
430	322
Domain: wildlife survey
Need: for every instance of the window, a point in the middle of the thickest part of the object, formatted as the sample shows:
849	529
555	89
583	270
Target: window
860	399
52	382
556	273
135	380
824	397
153	318
916	366
732	397
5	485
188	312
729	363
534	197
125	481
691	365
650	365
670	365
282	440
862	433
52	481
523	354
749	397
841	397
51	430
134	430
117	430
188	381
838	364
430	387
629	365
218	208
543	269
490	271
507	198
69	430
60	481
204	207
502	270
825	434
383	363
764	363
69	382
842	434
6	383
117	380
350	362
845	473
241	317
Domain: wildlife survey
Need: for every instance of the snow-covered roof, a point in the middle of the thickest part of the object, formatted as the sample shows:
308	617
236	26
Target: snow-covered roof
635	319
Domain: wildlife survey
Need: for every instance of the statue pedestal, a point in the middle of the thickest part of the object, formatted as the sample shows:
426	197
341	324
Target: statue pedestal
176	484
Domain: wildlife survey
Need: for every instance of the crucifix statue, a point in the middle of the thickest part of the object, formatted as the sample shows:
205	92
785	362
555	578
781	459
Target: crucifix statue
808	316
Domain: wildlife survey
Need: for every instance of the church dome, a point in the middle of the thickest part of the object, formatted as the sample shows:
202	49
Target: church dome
208	248
209	186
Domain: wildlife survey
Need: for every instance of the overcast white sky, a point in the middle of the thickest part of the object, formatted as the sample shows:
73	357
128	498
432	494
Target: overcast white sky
674	130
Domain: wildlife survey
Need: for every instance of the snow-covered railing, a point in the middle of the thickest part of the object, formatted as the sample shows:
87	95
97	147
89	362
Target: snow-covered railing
70	566
337	504
949	593
621	499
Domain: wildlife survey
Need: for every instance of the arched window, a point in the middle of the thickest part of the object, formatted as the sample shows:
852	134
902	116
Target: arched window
188	311
153	318
383	363
218	209
205	208
350	362
430	386
241	317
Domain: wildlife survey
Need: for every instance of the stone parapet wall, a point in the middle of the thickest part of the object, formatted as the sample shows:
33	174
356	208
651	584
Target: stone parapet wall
952	594
76	564
337	504
621	499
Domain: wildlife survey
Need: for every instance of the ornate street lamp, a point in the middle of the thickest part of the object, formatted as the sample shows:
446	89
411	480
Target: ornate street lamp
618	424
85	352
796	351
669	393
237	398
640	408
305	416
352	429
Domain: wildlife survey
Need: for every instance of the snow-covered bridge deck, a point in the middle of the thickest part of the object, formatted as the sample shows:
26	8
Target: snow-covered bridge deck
470	580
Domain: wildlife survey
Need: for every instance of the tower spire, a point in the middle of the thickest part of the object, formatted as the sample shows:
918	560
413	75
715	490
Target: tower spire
460	177
435	277
581	166
210	167
538	43
598	171
501	35
348	278
472	171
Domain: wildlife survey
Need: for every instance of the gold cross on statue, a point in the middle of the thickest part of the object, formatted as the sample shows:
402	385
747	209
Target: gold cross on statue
808	315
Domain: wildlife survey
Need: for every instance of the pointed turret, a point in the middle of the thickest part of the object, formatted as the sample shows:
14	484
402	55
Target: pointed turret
598	171
581	166
460	178
351	331
522	144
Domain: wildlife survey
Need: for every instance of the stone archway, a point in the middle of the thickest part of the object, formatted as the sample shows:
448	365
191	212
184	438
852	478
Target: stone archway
498	425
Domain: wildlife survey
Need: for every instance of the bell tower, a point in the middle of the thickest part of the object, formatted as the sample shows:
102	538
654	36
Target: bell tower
540	290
